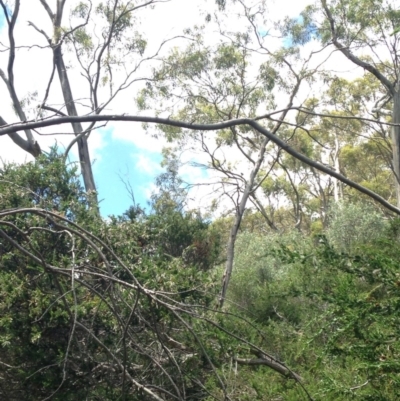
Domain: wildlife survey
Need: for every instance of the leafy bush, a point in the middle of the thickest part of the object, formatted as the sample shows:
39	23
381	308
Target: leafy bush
354	224
81	297
262	283
331	315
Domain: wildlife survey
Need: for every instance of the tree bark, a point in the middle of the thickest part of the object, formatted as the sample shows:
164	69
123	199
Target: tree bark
56	43
29	144
395	133
337	185
83	149
230	252
273	364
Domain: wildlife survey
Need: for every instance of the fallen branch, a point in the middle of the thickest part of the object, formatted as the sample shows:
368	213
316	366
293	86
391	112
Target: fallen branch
273	364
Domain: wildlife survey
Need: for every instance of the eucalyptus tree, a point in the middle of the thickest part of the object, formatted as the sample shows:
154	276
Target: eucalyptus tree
247	74
100	41
335	133
365	32
362	149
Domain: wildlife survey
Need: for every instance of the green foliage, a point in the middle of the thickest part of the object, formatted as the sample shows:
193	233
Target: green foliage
81	10
83	39
302	29
329	312
261	283
268	75
213	83
353	225
45	183
119	17
43	352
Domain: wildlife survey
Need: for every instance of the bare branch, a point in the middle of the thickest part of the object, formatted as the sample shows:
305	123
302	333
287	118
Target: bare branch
32	148
345	50
41	31
273	364
30	145
202	127
48	9
313	113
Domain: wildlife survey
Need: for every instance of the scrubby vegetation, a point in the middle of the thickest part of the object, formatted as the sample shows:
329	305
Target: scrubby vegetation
125	308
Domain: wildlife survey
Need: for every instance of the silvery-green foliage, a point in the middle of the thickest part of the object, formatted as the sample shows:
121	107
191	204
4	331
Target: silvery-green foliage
354	224
258	272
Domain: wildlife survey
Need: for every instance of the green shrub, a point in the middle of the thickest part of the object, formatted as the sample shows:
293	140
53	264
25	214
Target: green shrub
354	224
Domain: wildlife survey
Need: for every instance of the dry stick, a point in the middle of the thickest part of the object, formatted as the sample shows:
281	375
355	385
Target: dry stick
125	357
264	360
268	360
119	364
65	272
86	238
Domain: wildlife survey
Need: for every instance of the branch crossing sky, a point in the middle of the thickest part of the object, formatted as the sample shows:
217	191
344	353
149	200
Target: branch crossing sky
122	155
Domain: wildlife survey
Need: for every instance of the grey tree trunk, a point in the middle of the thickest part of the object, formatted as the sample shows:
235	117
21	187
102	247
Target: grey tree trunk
395	133
29	144
337	185
241	207
83	149
56	43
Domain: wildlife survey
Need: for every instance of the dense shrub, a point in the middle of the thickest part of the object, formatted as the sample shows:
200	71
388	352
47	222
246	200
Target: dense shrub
331	315
66	320
354	224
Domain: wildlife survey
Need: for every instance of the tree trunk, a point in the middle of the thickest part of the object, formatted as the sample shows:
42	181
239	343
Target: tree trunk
83	149
395	132
241	207
337	185
392	88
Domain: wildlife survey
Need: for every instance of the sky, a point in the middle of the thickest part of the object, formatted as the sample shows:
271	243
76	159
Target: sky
121	165
122	154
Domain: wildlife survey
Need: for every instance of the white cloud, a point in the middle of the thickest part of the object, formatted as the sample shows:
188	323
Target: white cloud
135	134
148	190
145	164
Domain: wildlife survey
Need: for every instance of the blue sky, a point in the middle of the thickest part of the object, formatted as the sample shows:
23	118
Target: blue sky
119	160
2	18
